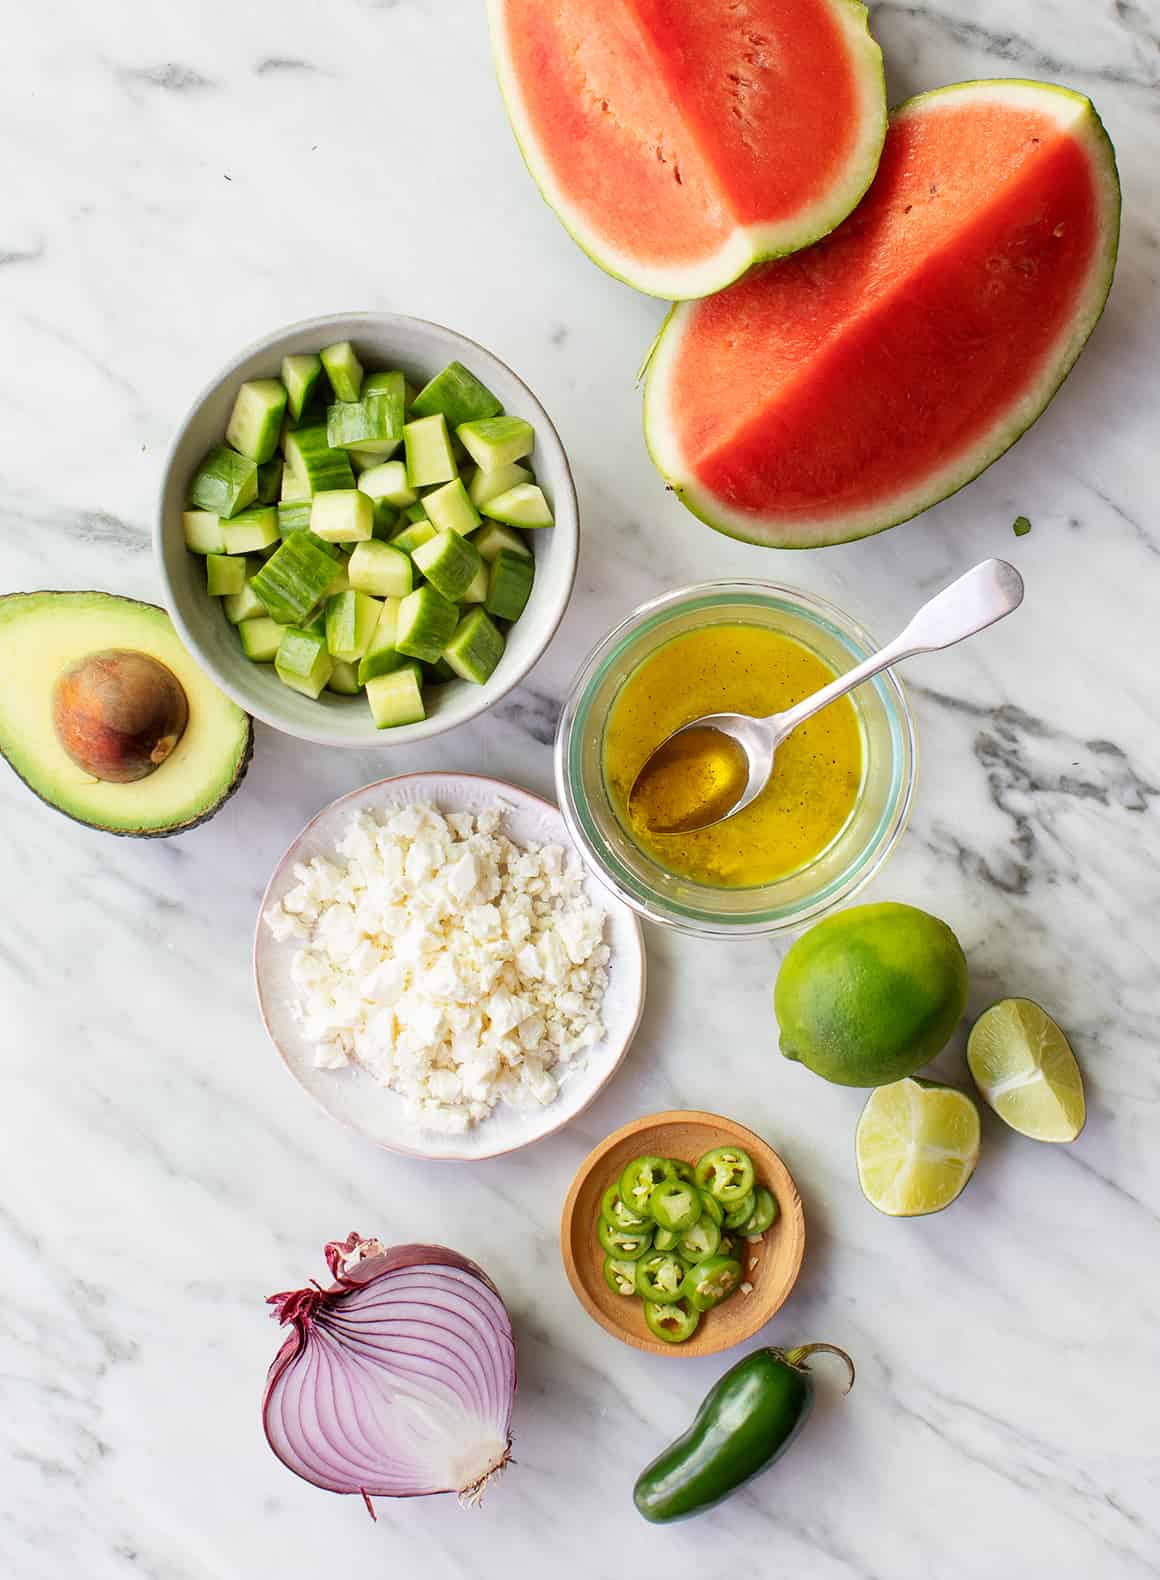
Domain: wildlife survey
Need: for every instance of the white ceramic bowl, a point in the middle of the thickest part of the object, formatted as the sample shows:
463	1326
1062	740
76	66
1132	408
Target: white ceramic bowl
352	1096
421	350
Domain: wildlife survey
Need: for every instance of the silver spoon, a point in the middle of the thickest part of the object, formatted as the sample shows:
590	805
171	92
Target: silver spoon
747	745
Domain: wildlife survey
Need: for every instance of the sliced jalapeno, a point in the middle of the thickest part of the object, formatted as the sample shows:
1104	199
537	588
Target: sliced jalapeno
727	1173
638	1182
674	1322
659	1277
666	1240
711	1282
616	1211
678	1169
700	1241
742	1212
626	1245
675	1204
764	1215
620	1275
713	1207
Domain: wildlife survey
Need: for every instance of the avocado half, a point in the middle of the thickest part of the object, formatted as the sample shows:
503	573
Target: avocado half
44	633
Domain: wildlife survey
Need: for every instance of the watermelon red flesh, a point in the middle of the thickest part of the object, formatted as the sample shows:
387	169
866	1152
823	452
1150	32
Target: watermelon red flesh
835	393
679	140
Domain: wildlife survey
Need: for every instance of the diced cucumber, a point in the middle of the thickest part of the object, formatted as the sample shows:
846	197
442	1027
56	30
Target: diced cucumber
351	619
522	506
380	569
458	394
476	589
412	536
256	419
374	423
339	582
509	584
203	532
491	538
428	446
245	605
440	673
342	516
397	698
365	457
252	530
261	638
294	580
225	482
294	485
382	655
497	441
313	459
344	370
388	482
300	376
483	486
415	512
344	679
386	520
270	481
426	624
449	562
450	509
224	575
475	648
302	662
293	516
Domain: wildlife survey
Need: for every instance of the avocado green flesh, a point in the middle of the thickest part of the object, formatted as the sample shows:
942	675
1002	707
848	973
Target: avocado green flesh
41	634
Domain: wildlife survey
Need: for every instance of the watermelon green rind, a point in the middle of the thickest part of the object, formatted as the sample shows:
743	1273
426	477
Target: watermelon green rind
747	245
1083	121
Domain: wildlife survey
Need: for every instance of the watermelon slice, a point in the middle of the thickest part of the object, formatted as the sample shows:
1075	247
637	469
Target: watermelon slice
833	394
681	140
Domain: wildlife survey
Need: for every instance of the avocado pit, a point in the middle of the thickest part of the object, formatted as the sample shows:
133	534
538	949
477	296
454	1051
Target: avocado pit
119	714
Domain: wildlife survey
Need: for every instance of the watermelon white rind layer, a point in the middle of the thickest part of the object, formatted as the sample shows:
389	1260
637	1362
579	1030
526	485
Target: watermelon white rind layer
1077	115
747	244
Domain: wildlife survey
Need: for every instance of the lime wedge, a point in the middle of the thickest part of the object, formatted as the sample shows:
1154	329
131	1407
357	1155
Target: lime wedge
917	1146
1025	1069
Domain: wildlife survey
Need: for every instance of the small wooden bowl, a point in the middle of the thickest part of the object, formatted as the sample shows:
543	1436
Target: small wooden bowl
687	1135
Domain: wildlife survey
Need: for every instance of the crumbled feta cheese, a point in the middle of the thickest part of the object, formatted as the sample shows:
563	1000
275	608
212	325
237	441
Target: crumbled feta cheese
456	967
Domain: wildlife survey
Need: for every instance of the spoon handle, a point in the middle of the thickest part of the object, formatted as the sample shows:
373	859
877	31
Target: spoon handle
983	595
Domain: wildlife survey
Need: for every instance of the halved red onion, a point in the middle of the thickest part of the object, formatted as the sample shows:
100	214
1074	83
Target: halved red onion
398	1380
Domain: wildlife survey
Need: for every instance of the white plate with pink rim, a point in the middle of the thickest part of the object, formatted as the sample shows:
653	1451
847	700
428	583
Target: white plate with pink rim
353	1096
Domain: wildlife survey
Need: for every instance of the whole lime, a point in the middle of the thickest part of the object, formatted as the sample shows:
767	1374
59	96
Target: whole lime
871	994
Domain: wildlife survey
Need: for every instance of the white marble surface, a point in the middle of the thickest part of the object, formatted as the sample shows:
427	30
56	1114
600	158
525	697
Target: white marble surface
180	178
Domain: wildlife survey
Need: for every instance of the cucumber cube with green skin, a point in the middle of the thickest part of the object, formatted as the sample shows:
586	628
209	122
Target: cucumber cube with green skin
344	370
497	441
385	403
388	482
397	698
386	520
412	536
483	486
261	638
245	605
509	584
342	516
270	481
224	575
491	539
256	420
382	655
339	583
381	570
365	425
365	457
203	532
450	509
415	512
300	377
313	459
476	589
294	484
522	506
344	679
294	580
426	624
302	662
252	530
293	516
475	648
449	562
351	618
428	448
458	394
225	482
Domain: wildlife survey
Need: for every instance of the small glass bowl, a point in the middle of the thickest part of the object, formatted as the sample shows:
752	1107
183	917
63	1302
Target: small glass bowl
852	858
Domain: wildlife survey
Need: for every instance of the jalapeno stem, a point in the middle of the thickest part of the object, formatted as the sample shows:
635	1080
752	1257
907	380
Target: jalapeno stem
798	1358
